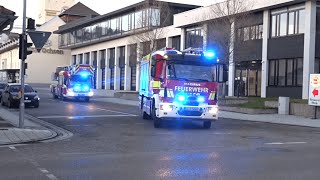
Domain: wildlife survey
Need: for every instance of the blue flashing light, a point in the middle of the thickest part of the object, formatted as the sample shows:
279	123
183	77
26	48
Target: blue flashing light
84	75
210	54
76	88
200	99
181	98
86	88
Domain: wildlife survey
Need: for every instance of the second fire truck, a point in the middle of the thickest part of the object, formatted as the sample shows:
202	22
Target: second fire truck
179	85
73	82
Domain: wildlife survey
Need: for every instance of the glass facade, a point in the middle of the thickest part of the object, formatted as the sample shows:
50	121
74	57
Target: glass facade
287	22
250	33
286	72
117	26
194	38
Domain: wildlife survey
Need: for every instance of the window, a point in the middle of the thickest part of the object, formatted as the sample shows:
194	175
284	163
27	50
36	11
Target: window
286	72
138	20
87	33
155	17
250	33
125	23
287	22
194	38
113	27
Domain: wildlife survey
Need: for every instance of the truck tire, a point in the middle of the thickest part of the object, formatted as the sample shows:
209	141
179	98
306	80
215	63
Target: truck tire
143	114
207	124
54	96
156	120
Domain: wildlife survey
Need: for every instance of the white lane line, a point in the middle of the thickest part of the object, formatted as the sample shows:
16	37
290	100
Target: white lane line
76	117
43	170
98	108
284	143
52	177
79	125
12	147
221	133
139	123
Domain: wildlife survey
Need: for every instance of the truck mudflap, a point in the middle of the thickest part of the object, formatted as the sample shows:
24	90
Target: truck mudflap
175	111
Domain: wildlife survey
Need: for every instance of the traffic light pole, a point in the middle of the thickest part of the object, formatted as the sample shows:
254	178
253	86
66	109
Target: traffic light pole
21	114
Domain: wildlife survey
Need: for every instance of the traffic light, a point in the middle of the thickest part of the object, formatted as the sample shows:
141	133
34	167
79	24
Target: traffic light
31	24
26	46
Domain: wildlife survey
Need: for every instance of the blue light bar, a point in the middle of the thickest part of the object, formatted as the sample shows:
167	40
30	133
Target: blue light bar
200	99
209	54
181	98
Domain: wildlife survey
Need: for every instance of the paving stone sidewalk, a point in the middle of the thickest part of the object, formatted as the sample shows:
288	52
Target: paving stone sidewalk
10	134
267	118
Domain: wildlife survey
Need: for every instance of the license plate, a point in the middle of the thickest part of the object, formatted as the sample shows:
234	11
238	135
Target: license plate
191	109
27	101
80	94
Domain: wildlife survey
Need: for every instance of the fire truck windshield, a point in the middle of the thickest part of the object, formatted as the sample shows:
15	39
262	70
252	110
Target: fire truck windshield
190	72
79	78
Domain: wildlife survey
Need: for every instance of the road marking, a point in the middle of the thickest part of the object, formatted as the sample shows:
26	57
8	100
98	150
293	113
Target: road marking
52	177
78	125
140	123
221	133
77	117
43	170
12	147
284	143
98	108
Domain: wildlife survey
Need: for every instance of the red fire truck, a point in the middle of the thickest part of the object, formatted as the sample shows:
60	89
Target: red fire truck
73	82
179	85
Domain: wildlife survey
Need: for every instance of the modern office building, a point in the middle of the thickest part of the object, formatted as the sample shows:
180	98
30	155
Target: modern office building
271	48
111	42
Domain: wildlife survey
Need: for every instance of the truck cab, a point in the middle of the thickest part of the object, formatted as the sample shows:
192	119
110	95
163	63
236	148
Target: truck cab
178	85
74	82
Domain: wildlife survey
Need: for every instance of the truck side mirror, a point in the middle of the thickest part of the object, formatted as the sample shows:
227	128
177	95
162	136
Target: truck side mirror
153	71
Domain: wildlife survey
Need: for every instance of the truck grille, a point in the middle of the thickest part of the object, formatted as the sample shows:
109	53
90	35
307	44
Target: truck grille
191	101
189	113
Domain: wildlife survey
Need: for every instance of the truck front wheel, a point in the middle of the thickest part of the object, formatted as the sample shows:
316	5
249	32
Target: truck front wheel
207	124
156	120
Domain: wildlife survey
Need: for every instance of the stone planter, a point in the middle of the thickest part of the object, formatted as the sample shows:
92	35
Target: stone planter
303	110
248	110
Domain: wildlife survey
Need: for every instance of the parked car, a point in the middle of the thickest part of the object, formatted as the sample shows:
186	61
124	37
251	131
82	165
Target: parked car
11	97
2	86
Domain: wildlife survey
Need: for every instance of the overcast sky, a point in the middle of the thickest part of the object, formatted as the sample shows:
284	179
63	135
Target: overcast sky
100	6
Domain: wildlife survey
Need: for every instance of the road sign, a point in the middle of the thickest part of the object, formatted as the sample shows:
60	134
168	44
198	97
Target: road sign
39	38
314	88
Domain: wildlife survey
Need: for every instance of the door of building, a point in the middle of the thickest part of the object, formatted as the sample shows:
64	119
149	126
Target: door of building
248	79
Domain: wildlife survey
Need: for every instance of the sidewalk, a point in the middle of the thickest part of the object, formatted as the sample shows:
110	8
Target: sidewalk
267	118
33	132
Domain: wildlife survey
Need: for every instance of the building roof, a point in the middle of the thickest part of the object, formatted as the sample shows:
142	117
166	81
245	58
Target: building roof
79	9
90	20
7	17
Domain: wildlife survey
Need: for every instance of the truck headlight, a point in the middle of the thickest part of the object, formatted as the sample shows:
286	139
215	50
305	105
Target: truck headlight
70	93
213	110
166	107
36	98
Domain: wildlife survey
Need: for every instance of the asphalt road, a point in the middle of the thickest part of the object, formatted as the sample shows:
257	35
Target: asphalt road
111	142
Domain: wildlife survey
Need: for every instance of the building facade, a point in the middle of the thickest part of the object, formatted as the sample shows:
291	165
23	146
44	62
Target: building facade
114	43
41	65
271	49
50	8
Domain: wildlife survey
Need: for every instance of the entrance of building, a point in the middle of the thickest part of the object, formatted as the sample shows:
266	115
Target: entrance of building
248	79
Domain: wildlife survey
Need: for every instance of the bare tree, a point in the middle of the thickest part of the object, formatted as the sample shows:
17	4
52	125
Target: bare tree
222	31
149	23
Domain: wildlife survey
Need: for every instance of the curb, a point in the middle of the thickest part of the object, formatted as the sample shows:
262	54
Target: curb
61	134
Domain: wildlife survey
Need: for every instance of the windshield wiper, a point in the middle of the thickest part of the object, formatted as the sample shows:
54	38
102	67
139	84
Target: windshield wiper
199	80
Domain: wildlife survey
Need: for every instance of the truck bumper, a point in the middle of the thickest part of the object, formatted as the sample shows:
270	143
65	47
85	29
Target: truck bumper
174	111
74	94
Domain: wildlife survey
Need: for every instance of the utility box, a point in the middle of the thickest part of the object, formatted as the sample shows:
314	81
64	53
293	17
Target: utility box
284	105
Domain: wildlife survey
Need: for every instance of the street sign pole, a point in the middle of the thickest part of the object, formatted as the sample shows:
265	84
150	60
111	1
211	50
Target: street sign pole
21	114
